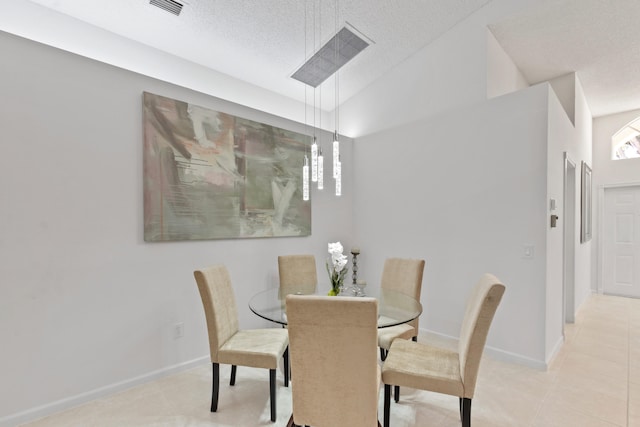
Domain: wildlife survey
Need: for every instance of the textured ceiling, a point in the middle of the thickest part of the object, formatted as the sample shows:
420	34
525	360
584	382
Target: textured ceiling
263	41
597	39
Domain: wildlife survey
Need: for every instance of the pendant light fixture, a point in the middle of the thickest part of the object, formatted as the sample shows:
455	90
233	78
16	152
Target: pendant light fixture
314	158
339	177
336	152
320	156
337	172
326	61
305	179
320	170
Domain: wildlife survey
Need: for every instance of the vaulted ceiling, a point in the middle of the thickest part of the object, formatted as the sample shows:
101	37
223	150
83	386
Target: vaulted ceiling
597	39
264	42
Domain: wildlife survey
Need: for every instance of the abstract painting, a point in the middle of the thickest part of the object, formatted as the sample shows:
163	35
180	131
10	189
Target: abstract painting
212	175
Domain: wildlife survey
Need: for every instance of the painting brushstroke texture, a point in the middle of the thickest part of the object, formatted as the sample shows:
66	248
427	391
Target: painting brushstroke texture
211	175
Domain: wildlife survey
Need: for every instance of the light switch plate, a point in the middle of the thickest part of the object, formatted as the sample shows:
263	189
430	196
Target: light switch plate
178	330
528	252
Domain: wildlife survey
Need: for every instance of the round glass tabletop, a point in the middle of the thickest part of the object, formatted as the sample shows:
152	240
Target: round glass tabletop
394	308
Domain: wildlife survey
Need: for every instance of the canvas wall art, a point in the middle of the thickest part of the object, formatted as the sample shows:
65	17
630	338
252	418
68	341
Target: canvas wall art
211	175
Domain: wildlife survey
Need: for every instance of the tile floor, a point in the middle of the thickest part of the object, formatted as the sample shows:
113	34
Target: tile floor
594	381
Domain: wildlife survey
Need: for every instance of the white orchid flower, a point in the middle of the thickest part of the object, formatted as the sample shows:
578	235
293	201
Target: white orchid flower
340	262
335	248
336	267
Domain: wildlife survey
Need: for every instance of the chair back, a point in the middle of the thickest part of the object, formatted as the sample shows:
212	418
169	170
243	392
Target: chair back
405	276
297	274
481	307
333	358
219	305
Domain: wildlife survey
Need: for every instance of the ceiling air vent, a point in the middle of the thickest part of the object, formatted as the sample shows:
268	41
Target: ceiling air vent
168	5
327	61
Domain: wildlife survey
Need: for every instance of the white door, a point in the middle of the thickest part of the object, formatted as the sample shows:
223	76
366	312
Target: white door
621	241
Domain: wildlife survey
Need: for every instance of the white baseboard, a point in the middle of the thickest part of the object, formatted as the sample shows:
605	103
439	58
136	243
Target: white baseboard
72	401
555	350
506	356
496	353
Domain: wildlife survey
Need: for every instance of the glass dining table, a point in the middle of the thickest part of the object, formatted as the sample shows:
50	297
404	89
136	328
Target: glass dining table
394	308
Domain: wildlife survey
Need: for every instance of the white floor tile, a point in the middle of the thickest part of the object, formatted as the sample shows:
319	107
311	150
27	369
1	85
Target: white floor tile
593	382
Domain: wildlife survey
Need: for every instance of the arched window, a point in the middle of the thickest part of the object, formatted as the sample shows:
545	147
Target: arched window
625	143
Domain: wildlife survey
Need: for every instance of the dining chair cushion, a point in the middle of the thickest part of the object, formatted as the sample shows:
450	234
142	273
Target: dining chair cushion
219	303
336	377
480	309
257	348
432	368
387	335
297	273
414	364
404	276
442	370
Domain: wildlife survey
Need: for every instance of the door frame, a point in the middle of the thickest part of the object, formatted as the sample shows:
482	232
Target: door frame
600	226
569	248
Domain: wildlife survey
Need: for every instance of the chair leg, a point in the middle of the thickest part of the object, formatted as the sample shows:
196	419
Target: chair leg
396	393
286	367
290	423
232	381
272	393
387	404
465	413
383	354
415	339
215	387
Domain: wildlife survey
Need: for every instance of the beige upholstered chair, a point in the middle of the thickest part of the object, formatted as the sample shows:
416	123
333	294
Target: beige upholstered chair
257	348
426	367
297	274
402	275
332	341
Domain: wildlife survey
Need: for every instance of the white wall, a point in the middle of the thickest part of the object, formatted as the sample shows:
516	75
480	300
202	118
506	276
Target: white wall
565	90
567	97
490	180
449	73
503	76
561	131
437	87
38	23
582	150
466	191
85	303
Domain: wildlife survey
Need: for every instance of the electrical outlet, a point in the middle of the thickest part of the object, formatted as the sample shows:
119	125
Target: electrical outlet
527	253
178	330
